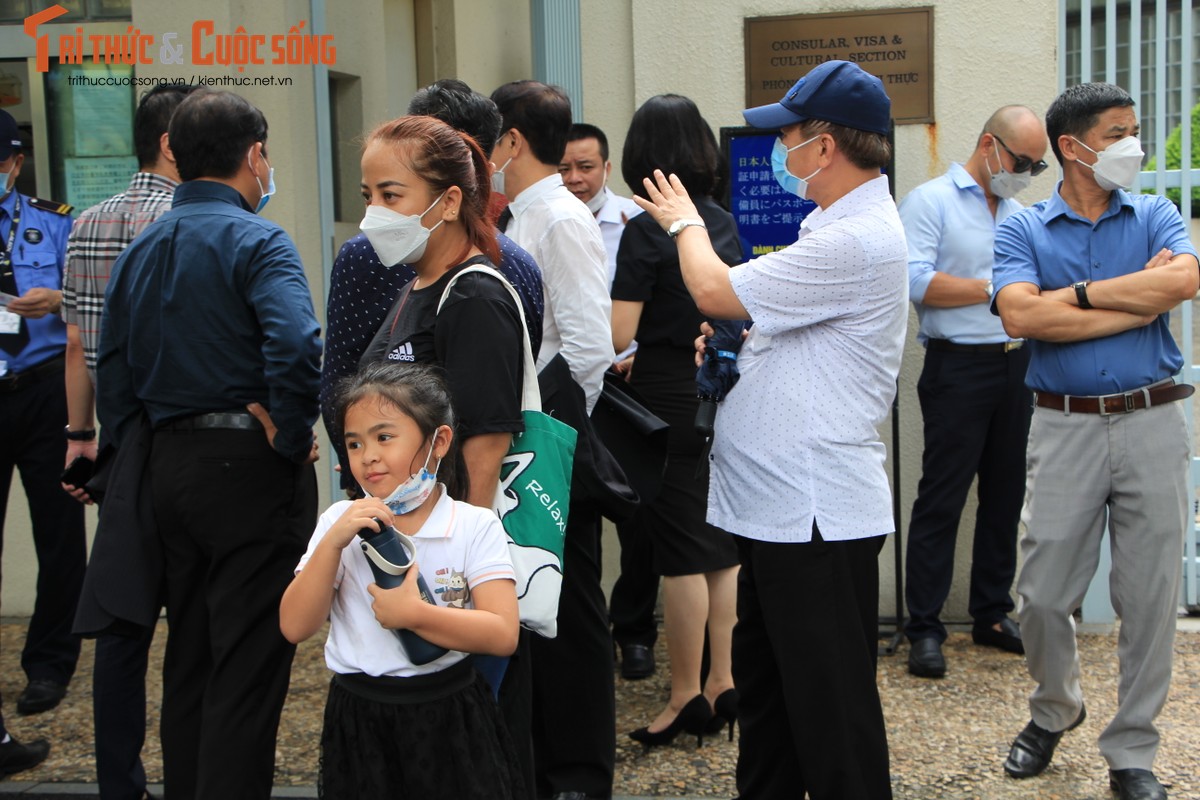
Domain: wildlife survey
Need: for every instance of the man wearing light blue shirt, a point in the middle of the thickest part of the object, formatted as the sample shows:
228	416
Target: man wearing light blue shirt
974	402
1089	276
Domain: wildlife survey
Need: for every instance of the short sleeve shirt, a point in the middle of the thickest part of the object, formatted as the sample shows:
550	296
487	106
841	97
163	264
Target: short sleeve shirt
458	548
476	338
1051	246
796	440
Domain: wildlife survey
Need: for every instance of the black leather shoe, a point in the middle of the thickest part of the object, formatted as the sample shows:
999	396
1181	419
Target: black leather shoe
40	695
1007	638
16	757
571	795
637	661
1135	784
925	658
1034	747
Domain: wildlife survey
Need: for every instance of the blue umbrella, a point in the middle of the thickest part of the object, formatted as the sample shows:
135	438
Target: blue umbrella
718	374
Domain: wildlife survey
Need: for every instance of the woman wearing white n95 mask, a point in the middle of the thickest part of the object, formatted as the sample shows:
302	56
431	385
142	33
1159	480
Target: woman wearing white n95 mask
426	187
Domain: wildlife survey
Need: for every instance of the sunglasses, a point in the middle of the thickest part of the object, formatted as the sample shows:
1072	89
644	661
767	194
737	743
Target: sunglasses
1023	163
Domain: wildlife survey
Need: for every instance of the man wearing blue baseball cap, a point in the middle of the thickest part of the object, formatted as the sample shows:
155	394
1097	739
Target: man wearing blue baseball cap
797	466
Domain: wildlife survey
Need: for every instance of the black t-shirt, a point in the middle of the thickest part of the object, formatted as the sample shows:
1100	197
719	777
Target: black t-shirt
648	272
477	339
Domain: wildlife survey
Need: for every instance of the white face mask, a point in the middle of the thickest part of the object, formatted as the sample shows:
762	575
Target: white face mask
1117	166
1007	184
600	197
498	177
397	238
409	495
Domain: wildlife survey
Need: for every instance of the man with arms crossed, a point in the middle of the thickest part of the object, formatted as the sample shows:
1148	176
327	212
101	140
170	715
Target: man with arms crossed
972	389
1088	277
797	465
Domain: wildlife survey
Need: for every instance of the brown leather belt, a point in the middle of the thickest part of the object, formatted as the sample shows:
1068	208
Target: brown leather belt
1107	404
947	346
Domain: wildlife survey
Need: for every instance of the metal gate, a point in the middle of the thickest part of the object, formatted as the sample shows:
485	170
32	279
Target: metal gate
1150	49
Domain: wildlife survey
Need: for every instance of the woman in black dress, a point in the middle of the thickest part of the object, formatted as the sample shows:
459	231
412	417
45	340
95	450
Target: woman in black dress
698	562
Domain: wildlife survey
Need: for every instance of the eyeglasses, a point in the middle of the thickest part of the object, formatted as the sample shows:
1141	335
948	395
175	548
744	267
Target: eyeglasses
1023	163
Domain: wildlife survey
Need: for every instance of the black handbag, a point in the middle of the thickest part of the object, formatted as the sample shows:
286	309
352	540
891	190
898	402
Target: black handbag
635	435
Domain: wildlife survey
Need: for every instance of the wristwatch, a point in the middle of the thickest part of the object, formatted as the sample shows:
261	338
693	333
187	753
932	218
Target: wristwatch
679	224
989	289
79	436
1081	294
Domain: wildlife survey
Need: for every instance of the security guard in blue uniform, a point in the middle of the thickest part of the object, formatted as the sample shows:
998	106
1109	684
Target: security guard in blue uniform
33	416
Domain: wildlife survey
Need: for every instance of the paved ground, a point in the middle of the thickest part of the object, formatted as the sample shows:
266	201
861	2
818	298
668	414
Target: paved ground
947	737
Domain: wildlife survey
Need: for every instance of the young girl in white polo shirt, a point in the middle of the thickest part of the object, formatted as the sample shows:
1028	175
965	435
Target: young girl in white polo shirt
394	728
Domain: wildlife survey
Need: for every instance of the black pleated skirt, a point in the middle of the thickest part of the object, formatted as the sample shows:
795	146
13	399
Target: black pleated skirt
432	736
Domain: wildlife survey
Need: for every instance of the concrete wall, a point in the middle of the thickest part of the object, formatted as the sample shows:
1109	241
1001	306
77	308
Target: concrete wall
634	49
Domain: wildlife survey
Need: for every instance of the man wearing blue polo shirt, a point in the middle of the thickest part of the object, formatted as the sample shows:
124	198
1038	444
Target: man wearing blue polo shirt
1088	276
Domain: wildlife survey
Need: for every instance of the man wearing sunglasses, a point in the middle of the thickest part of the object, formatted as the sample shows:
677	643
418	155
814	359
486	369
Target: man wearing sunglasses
972	388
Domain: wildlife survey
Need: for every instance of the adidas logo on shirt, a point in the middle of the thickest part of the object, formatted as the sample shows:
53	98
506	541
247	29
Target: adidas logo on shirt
402	353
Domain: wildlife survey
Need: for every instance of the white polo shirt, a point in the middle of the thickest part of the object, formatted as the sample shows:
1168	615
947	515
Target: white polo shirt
796	440
458	545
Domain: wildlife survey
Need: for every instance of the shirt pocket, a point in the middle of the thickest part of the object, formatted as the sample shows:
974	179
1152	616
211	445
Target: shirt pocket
39	268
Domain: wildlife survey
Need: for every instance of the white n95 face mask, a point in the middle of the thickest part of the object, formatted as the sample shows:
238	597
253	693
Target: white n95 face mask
1117	166
1007	184
397	238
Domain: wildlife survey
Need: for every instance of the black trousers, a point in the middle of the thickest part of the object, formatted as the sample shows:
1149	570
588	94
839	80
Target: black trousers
32	419
804	652
977	413
635	593
574	710
119	710
235	518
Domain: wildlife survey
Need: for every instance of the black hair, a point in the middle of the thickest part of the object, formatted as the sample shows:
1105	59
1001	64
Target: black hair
419	392
1076	110
668	133
153	117
459	106
211	132
582	130
863	149
542	113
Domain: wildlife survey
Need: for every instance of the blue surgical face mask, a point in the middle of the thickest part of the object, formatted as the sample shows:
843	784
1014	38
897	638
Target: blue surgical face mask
270	190
790	183
409	495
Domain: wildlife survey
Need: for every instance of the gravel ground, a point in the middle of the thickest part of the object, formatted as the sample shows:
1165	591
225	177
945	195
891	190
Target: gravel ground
947	737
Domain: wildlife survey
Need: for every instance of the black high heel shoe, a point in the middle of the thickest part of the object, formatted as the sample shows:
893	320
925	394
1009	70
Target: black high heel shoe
694	717
724	710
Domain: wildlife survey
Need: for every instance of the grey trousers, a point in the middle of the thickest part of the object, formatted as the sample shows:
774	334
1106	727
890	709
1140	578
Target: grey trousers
1083	470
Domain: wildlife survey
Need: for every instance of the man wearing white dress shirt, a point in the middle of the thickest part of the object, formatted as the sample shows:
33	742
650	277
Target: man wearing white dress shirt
585	170
797	465
573	706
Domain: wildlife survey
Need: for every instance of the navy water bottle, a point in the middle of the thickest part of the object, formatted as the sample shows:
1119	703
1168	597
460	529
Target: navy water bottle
390	554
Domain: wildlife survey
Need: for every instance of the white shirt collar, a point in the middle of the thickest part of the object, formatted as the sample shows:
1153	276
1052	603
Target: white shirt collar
534	192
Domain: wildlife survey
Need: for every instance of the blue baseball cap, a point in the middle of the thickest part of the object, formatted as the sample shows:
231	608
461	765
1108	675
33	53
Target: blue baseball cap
10	137
837	92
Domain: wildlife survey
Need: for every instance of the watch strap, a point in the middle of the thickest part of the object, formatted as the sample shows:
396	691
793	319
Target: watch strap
1081	294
